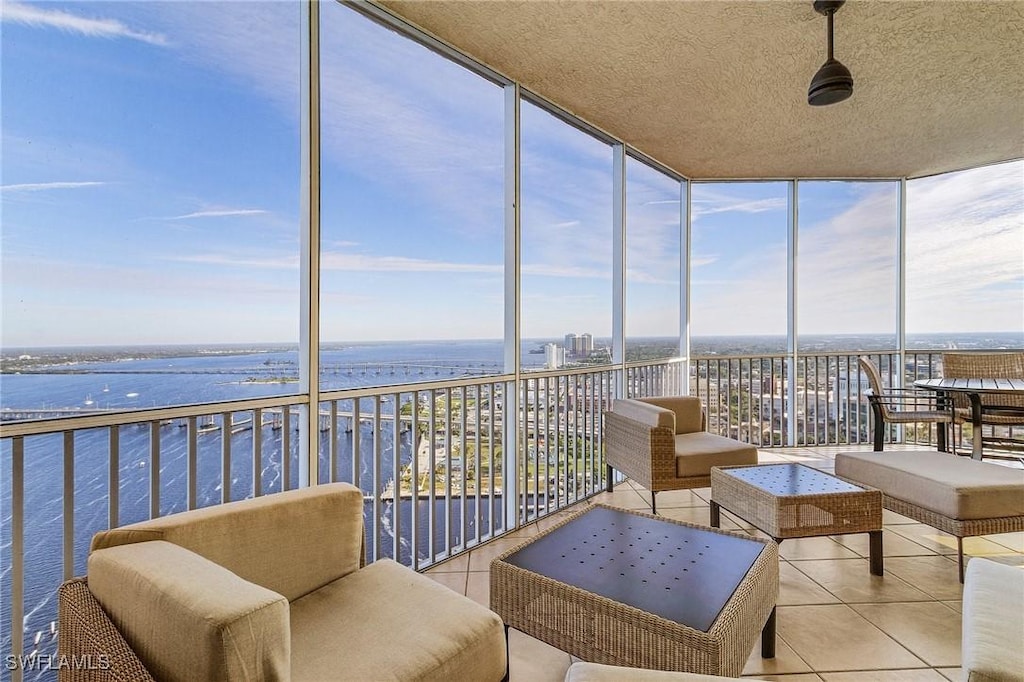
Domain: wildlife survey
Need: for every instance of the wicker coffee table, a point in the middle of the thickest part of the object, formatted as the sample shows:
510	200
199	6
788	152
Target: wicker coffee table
624	588
796	501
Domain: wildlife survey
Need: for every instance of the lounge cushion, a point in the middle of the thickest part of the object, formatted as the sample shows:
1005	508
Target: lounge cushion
188	618
993	622
582	671
645	413
955	487
696	453
255	539
387	622
689	413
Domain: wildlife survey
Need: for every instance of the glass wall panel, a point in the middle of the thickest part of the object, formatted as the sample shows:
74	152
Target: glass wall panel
566	223
738	267
412	218
965	268
653	242
846	265
150	203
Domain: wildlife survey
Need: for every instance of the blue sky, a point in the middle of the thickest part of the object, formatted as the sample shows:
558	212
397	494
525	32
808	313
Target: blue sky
150	195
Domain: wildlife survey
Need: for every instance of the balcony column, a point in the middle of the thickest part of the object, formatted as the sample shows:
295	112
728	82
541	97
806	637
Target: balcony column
619	268
309	247
685	220
512	426
791	312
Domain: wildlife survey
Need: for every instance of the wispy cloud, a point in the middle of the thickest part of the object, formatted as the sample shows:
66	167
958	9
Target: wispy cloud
31	15
729	205
219	213
44	186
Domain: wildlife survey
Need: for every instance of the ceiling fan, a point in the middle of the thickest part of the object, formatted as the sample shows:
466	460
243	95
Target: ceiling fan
833	81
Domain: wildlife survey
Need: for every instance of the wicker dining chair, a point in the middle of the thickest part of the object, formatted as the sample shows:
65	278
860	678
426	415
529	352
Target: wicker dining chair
905	406
1003	410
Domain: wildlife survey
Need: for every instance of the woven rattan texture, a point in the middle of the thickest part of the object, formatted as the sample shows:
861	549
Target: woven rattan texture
956	527
645	454
601	630
985	366
797	516
89	641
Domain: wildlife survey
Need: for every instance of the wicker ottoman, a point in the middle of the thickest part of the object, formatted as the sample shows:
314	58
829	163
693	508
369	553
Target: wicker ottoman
617	587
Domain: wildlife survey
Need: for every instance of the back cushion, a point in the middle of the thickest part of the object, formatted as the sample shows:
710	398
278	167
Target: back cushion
292	542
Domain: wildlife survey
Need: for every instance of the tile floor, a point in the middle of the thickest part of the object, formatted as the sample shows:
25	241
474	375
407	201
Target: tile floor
836	622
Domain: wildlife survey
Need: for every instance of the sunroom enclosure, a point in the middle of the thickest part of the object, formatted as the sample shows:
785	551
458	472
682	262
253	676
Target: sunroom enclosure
448	463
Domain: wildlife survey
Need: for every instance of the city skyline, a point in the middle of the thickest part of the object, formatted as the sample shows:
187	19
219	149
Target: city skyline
151	195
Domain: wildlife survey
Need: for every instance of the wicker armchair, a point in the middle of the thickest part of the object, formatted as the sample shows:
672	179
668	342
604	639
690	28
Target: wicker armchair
904	406
661	443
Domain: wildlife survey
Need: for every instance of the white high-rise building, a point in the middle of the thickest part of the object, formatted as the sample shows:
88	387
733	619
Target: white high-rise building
554	356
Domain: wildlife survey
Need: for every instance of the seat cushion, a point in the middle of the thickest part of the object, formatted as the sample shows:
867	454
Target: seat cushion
955	487
696	453
256	538
387	622
993	622
645	413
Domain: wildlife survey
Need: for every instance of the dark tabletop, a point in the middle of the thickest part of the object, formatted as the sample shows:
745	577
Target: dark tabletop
680	573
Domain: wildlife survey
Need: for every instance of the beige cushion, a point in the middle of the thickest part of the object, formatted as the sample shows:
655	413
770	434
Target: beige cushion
389	622
596	672
645	413
955	487
696	453
189	619
256	538
689	415
992	647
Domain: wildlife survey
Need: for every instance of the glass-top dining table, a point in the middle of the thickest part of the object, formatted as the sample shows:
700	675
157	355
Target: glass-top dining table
975	389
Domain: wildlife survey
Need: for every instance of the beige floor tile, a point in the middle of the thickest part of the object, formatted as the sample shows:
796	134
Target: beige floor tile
796	588
798	677
930	630
459	564
893	544
786	661
1014	541
625	497
955	605
937	575
480	558
953	674
478	587
1010	559
915	675
453	581
697	515
944	543
680	498
814	548
531	660
851	581
836	638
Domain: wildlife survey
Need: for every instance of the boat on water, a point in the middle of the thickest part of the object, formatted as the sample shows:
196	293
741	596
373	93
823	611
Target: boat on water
131	395
88	400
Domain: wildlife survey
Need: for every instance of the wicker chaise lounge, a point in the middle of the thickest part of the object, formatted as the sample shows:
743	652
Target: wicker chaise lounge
661	444
959	496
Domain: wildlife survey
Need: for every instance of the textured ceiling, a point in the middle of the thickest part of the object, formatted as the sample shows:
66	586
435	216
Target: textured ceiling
718	88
